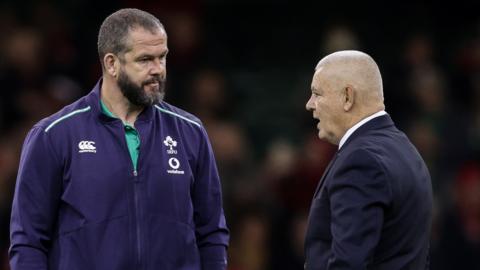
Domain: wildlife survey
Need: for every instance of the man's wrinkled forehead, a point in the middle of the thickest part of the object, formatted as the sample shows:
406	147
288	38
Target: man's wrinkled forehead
136	36
316	80
320	72
135	29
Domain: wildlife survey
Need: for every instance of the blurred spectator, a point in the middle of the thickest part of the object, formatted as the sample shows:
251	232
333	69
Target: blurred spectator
185	39
57	29
235	166
10	144
287	243
279	163
249	245
22	52
458	243
339	37
294	174
428	142
432	118
469	65
209	99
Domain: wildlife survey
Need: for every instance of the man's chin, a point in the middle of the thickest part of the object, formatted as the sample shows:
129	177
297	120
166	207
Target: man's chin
155	94
156	97
322	136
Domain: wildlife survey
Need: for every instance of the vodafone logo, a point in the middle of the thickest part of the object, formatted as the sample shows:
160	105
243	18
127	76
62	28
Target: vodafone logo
174	165
87	147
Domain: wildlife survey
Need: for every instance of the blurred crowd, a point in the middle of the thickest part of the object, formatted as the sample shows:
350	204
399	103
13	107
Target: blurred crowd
245	71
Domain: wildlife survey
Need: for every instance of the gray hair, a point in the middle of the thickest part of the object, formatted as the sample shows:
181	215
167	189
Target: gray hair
356	67
112	37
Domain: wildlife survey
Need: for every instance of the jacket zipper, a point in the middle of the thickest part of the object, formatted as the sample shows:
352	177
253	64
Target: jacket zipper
137	217
136	198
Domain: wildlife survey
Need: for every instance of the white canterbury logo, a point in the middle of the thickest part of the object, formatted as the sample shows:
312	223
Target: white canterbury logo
86	146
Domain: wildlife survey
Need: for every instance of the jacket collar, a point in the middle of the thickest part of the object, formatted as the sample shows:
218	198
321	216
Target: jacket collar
380	122
93	99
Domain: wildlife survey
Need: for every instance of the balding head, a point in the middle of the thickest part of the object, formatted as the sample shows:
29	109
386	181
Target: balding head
357	69
346	87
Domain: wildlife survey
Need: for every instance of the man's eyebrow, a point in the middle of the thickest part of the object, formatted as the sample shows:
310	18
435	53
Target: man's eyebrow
144	55
316	90
150	55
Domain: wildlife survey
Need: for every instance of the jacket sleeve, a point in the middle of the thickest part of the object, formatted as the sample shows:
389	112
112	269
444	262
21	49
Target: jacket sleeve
35	203
210	227
359	194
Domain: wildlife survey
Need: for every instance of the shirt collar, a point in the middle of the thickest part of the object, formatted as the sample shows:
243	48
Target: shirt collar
357	125
105	110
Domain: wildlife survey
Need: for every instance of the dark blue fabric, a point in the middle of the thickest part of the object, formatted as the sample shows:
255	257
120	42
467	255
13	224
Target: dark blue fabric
91	210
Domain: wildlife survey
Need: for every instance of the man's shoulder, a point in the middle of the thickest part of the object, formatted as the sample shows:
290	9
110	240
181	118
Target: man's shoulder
367	152
174	113
374	141
381	148
71	112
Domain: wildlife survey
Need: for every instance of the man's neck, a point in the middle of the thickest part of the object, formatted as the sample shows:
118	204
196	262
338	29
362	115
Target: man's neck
118	104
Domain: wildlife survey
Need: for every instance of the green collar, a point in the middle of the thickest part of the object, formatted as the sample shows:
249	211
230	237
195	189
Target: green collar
107	112
131	136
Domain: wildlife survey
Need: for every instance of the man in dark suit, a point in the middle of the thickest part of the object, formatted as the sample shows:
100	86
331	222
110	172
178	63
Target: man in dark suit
372	208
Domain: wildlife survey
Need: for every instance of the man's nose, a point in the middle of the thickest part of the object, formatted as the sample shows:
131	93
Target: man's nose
157	67
310	106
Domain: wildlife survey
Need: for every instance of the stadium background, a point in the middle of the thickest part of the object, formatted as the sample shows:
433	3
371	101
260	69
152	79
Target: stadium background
244	68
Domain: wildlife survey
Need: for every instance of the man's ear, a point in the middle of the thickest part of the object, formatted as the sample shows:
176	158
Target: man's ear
111	64
348	98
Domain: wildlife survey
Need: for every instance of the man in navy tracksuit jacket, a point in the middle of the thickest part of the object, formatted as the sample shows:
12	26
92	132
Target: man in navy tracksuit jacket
120	179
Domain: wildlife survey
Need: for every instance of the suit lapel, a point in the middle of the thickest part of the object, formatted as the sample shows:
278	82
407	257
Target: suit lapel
325	173
383	121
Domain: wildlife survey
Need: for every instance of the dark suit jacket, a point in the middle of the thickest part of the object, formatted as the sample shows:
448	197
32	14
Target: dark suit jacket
373	206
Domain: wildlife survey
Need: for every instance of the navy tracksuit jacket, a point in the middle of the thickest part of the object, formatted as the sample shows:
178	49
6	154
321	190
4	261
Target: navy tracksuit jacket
80	205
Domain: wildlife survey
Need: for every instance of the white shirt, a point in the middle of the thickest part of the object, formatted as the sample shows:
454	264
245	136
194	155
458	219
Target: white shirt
357	125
